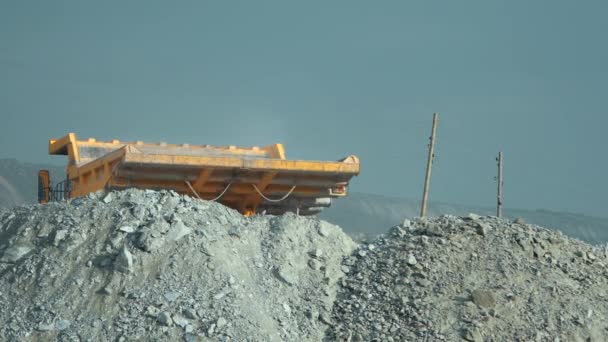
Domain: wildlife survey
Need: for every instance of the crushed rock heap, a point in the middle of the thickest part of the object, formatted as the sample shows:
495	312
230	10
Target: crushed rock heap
146	265
473	279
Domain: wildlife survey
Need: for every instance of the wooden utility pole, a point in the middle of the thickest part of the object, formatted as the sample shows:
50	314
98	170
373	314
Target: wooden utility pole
429	166
500	183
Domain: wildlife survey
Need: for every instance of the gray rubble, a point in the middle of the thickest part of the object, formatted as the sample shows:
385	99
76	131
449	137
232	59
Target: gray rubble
156	266
149	266
473	279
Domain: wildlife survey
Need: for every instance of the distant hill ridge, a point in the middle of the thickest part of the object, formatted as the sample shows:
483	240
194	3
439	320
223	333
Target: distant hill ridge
19	181
359	214
369	215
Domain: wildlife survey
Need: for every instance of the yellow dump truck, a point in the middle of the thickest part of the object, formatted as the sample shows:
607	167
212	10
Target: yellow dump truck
250	180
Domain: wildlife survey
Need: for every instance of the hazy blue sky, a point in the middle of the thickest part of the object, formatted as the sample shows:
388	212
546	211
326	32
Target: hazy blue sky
328	79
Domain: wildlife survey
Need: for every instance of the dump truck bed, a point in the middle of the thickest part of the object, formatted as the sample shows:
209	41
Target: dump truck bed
251	180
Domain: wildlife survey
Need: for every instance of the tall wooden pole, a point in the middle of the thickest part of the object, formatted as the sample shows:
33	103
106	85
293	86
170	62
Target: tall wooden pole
500	183
429	166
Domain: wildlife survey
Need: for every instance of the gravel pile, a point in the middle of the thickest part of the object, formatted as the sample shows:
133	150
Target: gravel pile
156	266
473	279
145	265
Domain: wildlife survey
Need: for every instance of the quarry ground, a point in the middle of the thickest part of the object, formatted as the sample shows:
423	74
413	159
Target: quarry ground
153	266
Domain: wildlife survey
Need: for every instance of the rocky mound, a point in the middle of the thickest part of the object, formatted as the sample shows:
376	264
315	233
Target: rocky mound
474	279
145	265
